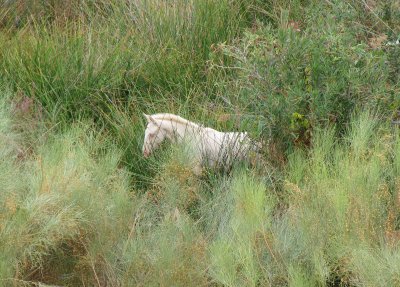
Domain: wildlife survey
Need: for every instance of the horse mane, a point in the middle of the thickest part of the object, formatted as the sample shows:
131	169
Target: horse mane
173	118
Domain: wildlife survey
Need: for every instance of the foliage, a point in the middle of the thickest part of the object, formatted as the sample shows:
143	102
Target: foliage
317	81
310	71
62	208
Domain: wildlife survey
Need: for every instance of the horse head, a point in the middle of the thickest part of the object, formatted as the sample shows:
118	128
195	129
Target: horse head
154	135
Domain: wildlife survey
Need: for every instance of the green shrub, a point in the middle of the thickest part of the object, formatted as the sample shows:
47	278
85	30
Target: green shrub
311	70
171	252
339	205
235	251
65	210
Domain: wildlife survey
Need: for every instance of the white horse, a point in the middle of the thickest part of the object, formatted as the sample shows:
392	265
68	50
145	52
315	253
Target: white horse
209	147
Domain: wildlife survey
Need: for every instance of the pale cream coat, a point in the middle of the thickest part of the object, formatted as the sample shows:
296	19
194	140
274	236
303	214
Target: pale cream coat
209	147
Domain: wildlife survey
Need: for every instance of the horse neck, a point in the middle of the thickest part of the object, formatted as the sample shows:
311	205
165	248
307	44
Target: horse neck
176	132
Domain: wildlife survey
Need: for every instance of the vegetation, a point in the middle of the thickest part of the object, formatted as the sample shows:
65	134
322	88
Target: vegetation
317	81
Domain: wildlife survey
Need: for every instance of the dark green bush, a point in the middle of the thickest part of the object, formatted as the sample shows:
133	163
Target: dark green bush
310	72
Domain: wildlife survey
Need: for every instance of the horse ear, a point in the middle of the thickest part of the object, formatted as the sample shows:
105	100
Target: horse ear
149	118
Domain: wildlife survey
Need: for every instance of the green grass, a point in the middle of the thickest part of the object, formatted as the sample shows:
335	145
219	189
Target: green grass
69	194
341	199
310	71
314	80
77	68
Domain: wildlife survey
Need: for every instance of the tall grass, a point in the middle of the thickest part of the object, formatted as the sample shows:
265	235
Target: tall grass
140	50
73	218
105	58
235	252
340	200
58	204
79	205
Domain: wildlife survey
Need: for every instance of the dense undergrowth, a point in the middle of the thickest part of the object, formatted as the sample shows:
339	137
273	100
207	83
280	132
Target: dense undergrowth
316	81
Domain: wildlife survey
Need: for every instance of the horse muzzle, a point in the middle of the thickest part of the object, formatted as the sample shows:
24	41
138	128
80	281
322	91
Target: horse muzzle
146	154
